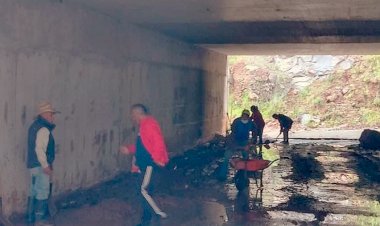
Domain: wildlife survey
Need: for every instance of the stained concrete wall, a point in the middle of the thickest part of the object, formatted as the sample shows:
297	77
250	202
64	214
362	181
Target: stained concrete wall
215	95
93	67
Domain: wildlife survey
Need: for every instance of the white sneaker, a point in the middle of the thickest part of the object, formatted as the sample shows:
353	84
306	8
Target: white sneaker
163	215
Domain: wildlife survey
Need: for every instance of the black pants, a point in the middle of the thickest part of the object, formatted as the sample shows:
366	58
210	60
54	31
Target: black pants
286	132
150	208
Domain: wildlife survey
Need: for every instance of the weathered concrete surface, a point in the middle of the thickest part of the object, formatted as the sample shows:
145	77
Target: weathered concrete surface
247	32
212	11
93	67
250	22
214	96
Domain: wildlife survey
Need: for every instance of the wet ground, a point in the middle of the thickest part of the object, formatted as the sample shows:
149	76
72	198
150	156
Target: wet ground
311	184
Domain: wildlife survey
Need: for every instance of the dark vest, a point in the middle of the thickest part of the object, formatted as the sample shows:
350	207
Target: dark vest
32	160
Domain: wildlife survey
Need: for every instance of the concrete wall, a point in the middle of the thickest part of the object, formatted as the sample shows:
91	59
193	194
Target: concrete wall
93	67
215	94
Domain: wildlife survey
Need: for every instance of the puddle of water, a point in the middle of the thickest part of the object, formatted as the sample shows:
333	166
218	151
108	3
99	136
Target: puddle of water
319	183
214	213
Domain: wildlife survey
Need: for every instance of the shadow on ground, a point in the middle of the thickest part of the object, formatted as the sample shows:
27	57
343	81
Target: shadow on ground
312	184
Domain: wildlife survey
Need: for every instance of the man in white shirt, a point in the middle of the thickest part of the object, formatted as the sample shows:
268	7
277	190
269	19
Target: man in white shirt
41	154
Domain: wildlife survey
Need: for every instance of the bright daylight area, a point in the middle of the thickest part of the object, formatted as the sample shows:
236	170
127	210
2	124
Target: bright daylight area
316	91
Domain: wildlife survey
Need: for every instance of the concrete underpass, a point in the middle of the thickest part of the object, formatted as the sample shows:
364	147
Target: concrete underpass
93	59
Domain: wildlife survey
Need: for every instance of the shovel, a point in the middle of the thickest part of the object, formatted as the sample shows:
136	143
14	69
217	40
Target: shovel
272	141
277	137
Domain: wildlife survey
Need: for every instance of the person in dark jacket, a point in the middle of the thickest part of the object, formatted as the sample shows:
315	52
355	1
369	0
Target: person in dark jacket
237	140
285	125
241	129
40	158
150	154
259	121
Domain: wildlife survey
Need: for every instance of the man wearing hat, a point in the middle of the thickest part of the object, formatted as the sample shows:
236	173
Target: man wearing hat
40	158
241	128
240	131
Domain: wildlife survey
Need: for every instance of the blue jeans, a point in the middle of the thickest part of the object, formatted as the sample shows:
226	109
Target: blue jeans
40	184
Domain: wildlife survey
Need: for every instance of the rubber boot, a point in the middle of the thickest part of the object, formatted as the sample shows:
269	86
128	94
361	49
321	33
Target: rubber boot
30	212
42	216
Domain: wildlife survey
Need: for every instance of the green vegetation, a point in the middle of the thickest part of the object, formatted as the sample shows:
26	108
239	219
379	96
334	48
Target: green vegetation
236	106
233	59
267	109
347	97
375	65
317	102
374	207
271	154
370	117
376	101
304	93
275	105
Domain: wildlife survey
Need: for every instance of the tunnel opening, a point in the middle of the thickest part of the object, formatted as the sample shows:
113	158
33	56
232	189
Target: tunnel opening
93	59
316	91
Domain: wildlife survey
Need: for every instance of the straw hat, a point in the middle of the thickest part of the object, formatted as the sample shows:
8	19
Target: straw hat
46	107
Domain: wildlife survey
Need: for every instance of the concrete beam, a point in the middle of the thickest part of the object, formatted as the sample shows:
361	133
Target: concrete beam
274	32
218	11
250	22
298	49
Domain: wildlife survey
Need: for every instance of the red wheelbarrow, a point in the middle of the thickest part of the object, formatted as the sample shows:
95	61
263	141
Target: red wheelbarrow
245	168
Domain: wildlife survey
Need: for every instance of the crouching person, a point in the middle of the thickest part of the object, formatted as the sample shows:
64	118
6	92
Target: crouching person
150	153
41	154
285	125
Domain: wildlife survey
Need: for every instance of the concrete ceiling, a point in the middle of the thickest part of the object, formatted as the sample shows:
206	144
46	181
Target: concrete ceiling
228	22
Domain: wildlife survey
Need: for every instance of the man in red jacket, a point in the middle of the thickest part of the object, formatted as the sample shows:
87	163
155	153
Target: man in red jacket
150	153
